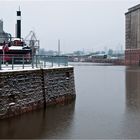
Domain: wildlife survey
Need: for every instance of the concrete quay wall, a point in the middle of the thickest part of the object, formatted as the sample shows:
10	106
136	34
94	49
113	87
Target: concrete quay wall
27	90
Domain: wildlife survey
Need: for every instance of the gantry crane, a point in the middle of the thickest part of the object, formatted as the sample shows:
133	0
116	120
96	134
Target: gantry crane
32	42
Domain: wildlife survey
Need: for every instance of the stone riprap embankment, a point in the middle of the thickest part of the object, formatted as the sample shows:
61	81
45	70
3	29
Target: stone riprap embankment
27	90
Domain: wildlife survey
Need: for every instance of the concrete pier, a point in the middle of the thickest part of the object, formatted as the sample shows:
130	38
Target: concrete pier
26	90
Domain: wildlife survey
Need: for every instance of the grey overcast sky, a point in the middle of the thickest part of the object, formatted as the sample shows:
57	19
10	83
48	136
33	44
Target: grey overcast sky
88	25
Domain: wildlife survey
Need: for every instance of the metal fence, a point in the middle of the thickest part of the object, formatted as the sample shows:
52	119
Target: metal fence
37	61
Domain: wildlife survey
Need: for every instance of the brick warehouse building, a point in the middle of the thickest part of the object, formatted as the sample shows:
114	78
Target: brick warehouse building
132	36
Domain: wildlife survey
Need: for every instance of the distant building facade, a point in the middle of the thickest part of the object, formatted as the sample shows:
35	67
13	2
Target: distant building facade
132	36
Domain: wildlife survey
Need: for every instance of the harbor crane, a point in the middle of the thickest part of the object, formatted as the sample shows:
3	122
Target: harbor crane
33	42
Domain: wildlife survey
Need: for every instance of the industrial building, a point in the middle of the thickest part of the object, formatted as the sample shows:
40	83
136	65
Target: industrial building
3	35
132	36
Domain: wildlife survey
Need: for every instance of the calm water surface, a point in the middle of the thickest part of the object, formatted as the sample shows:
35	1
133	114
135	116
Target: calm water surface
107	106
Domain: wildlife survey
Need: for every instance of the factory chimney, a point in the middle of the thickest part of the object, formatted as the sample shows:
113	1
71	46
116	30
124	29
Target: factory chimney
18	25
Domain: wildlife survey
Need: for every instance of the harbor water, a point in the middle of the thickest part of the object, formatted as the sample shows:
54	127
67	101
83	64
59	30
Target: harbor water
107	106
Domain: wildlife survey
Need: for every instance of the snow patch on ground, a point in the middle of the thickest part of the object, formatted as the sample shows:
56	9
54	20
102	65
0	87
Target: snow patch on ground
9	68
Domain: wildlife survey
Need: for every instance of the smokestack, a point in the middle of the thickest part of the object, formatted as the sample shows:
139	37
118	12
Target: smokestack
18	29
58	46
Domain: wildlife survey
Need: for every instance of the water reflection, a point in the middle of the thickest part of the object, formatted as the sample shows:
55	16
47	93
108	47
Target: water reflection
132	89
55	121
131	121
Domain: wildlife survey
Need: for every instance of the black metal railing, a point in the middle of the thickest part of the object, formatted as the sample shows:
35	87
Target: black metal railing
37	61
